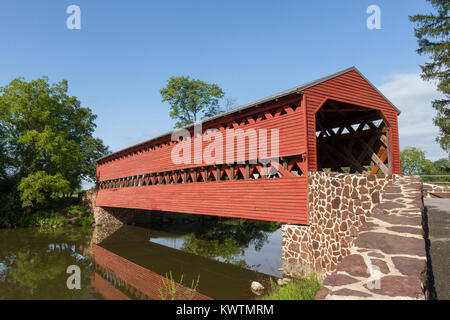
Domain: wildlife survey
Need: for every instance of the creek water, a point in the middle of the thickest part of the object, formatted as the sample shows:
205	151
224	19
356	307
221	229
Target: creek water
197	260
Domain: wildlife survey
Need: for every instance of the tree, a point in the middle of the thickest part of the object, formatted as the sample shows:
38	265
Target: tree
413	161
191	99
432	32
46	140
229	103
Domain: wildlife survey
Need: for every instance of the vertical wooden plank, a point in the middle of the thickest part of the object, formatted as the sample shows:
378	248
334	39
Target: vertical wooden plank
389	150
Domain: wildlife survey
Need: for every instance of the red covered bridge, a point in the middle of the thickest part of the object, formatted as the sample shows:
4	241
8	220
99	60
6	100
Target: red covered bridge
340	123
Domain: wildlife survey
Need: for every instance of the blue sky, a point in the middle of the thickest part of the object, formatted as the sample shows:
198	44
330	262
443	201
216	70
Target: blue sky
126	50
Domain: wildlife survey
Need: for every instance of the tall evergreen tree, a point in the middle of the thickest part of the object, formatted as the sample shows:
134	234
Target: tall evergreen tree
432	32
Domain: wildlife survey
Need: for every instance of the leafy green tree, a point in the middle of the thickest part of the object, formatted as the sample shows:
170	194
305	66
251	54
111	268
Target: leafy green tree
46	140
191	99
414	162
442	166
37	188
432	32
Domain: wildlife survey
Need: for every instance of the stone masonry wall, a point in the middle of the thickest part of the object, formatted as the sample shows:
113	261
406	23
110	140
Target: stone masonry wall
112	216
338	206
432	190
388	259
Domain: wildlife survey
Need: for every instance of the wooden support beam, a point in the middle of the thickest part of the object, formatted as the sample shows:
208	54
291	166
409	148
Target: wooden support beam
389	148
349	154
284	172
340	110
363	154
264	170
285	164
373	156
382	154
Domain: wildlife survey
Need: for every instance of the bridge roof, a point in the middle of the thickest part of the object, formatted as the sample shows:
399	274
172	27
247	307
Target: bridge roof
279	95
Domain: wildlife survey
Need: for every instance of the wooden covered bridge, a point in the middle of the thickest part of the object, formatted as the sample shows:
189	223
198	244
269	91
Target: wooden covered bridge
340	123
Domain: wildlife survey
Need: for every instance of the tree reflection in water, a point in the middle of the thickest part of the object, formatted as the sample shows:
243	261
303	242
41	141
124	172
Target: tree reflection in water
33	264
227	241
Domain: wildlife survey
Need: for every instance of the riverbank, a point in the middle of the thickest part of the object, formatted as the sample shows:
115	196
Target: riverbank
55	213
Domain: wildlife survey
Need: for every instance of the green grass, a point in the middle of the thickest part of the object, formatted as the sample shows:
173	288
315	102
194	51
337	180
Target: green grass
297	289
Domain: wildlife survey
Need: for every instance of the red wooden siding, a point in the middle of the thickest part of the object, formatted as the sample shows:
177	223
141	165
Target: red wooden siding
350	87
283	199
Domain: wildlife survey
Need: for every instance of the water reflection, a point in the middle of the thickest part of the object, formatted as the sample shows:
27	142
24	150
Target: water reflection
128	262
34	262
248	244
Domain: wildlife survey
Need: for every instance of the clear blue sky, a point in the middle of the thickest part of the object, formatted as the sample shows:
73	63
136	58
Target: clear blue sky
126	50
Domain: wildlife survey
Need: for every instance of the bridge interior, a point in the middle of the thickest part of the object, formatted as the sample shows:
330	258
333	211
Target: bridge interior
351	139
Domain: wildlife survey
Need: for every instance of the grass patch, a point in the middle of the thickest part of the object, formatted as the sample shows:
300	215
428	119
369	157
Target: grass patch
297	289
169	289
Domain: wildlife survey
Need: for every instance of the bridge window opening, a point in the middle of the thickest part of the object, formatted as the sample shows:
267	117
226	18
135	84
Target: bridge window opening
238	174
351	139
211	176
256	176
224	175
274	173
295	169
253	172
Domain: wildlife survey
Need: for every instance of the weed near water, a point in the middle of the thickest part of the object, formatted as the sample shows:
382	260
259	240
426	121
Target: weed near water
172	290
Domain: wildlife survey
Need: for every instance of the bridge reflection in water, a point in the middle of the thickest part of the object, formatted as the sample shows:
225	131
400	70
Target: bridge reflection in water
130	264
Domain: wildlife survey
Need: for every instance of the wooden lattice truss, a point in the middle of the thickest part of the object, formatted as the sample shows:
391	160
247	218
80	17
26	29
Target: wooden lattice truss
285	167
352	139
